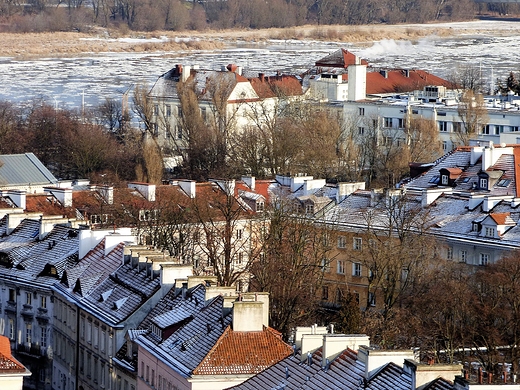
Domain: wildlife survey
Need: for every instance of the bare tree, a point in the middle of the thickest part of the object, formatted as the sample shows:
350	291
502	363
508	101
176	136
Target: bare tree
473	114
295	252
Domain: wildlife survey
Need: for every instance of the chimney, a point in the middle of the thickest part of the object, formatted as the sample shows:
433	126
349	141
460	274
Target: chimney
189	187
250	181
345	189
145	189
171	271
248	316
259	297
421	374
64	195
309	344
261	77
107	192
335	344
302	331
357	82
228	186
375	359
407	73
429	195
185	72
18	197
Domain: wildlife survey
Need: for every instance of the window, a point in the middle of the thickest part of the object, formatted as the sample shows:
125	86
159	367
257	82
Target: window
159	383
179	132
483	183
203	113
325	264
443	126
388	122
341	267
325	293
43	337
155	110
361	130
415	112
515	128
28	334
357	243
487	129
463	256
475	227
484	259
489	232
43	301
147	377
441	114
168	110
457	127
11	329
361	111
239	234
155	129
503	183
12	295
309	209
499	129
342	241
449	254
240	257
444	146
102	376
375	123
153	378
444	180
142	369
371	299
400	123
434	180
259	206
356	269
28	298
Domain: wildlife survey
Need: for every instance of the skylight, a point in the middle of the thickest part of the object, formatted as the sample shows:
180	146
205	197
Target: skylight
503	183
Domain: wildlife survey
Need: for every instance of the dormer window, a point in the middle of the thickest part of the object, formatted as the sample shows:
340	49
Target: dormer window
489	232
483	183
475	227
444	180
260	206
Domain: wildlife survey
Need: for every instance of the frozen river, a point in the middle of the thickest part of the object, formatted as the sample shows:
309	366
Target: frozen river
67	82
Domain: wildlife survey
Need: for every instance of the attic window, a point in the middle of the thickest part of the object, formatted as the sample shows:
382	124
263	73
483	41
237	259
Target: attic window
503	183
444	180
465	180
483	182
475	226
434	180
119	303
103	297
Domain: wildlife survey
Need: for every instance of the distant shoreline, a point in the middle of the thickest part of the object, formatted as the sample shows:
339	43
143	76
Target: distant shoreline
66	44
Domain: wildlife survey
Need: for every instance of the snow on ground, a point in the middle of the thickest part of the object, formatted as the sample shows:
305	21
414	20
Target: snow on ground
67	82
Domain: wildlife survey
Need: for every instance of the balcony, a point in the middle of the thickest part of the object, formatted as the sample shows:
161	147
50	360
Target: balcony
10	307
27	312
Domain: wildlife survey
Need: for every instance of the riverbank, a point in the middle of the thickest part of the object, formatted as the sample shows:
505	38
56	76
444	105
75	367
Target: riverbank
64	44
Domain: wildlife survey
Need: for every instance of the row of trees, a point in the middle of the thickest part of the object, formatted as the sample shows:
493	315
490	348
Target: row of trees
48	15
73	145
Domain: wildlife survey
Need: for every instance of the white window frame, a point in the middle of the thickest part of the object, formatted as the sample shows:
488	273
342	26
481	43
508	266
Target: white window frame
342	242
341	267
489	232
463	256
357	243
356	269
484	259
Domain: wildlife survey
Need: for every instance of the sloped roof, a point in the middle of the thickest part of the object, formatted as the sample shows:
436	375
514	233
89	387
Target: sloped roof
244	353
339	59
47	205
400	80
276	86
23	169
502	218
8	364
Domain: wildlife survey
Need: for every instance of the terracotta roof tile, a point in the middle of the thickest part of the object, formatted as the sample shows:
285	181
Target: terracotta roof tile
502	218
244	353
8	364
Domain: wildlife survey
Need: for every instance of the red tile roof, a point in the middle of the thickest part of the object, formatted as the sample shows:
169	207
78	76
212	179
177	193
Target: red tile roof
273	86
244	353
502	218
8	364
397	81
48	205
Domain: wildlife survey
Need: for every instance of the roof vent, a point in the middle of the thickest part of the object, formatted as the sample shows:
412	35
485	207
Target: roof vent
104	296
119	303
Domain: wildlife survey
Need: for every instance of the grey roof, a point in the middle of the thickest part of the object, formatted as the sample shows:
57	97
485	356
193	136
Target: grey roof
24	169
